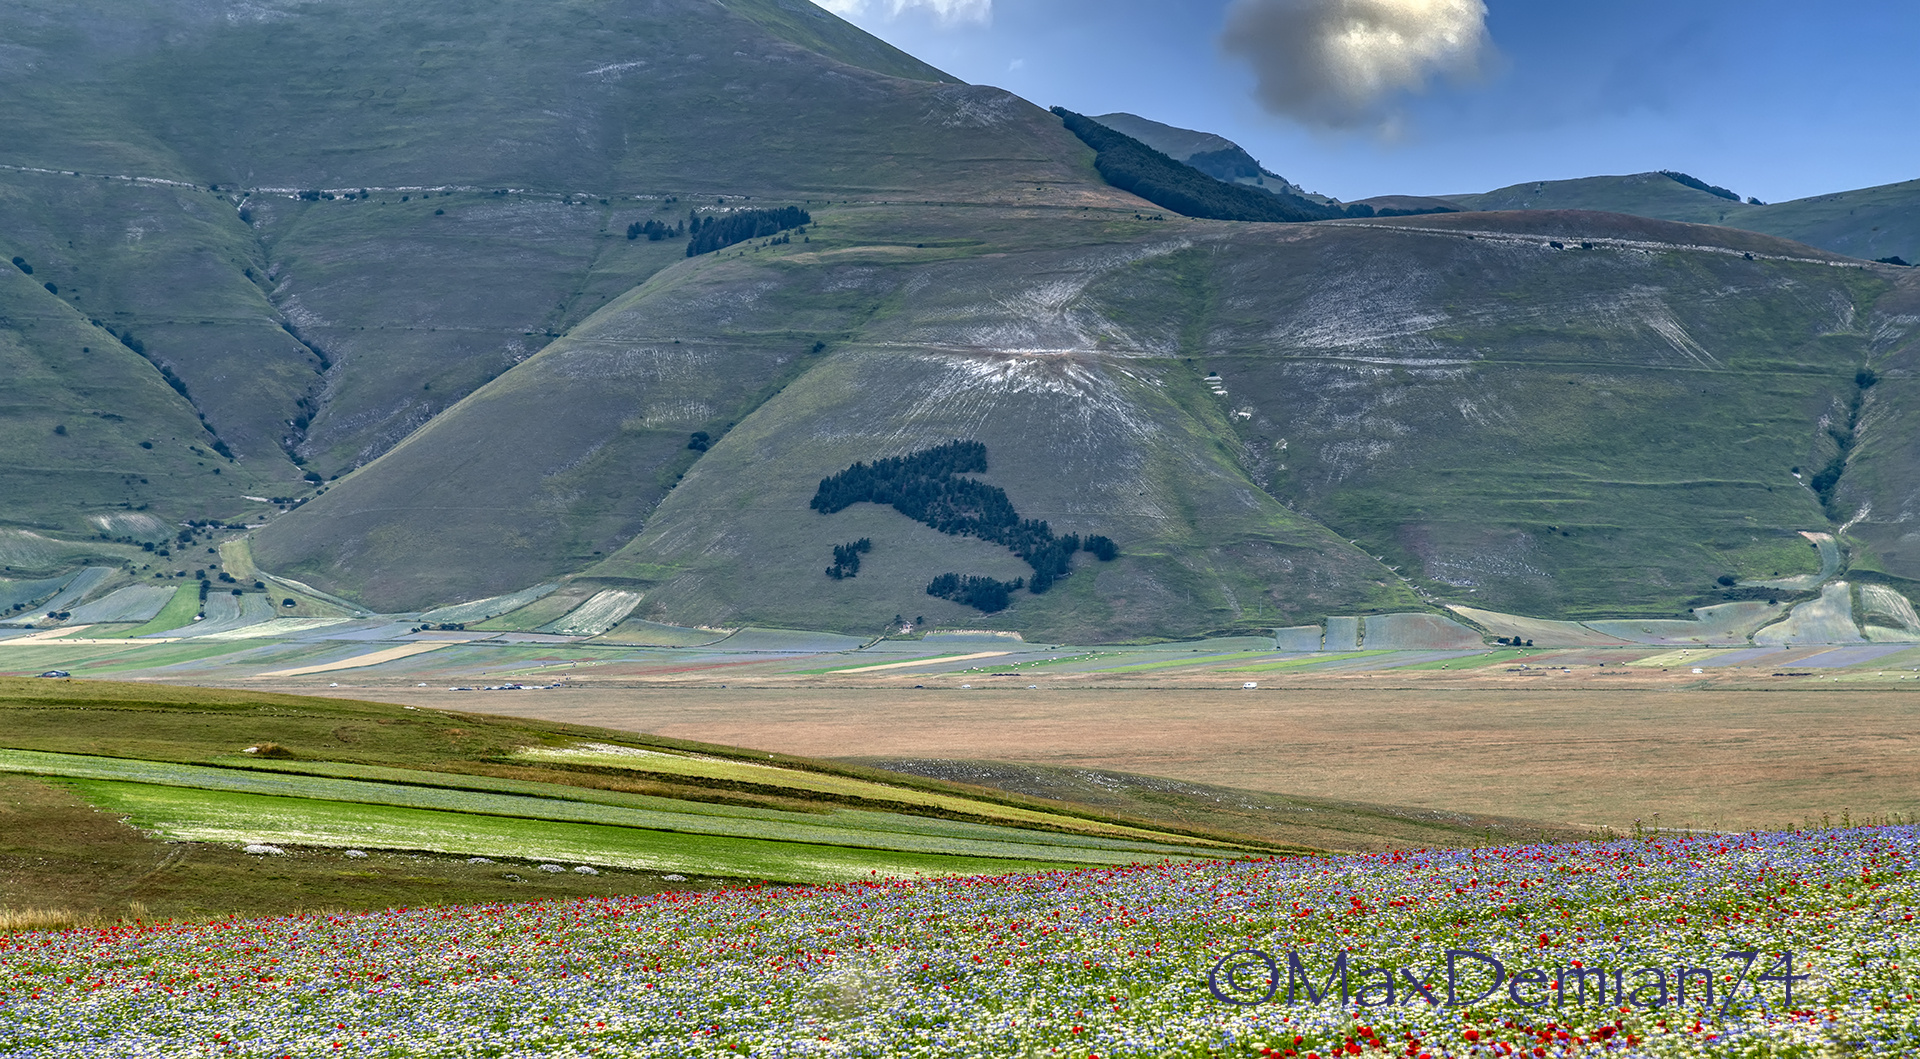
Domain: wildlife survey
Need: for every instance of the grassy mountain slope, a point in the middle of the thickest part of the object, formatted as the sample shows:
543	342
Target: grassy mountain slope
1640	194
1552	428
1216	155
1174	142
602	419
321	331
1879	485
93	432
1870	223
1604	427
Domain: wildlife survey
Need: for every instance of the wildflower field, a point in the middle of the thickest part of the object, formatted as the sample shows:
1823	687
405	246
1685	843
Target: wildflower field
1130	961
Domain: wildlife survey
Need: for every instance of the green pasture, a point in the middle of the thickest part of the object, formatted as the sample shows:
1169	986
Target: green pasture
186	814
178	613
539	802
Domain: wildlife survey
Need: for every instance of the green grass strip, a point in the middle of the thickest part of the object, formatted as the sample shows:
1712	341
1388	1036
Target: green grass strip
793	827
858	819
178	612
223	816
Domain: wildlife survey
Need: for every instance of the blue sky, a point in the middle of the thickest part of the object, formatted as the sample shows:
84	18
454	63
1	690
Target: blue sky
1774	99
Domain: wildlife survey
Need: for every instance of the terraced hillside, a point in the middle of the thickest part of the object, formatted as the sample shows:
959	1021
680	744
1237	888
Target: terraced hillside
387	261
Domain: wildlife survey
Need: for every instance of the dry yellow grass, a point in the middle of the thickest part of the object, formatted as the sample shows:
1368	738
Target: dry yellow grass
15	920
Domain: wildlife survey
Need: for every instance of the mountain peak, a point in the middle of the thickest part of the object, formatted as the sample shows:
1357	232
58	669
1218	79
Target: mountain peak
1214	155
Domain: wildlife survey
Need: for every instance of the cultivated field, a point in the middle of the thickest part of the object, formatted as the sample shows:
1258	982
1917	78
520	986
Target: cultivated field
208	772
1579	747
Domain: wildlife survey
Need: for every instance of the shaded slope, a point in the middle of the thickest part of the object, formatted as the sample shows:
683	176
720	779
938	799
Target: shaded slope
92	431
166	269
1128	164
1214	155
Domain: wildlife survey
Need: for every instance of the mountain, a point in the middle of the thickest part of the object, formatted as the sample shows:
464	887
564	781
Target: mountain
1216	156
396	262
1602	426
468	171
1871	223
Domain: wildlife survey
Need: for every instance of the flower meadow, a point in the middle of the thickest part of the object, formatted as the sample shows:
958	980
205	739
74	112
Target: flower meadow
1089	964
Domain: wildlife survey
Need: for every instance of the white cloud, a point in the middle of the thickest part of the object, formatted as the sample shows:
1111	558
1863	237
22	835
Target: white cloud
948	12
1339	63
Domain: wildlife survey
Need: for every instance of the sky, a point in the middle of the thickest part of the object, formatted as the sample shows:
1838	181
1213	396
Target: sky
1355	98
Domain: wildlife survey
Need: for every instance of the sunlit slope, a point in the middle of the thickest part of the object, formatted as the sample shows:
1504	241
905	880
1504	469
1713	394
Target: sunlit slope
597	427
154	150
1607	427
1870	223
755	96
1653	195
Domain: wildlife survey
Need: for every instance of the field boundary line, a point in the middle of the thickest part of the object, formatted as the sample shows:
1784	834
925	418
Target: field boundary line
922	662
362	661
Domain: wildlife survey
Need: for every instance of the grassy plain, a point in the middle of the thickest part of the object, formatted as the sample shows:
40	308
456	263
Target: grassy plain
420	782
66	862
1593	746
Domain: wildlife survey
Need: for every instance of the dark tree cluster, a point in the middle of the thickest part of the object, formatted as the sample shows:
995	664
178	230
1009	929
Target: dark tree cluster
846	558
655	231
1698	184
1130	165
706	234
1894	260
1514	642
1101	548
981	593
926	487
699	442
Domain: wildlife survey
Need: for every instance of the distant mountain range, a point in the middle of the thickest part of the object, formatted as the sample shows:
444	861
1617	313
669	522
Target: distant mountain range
1873	223
407	290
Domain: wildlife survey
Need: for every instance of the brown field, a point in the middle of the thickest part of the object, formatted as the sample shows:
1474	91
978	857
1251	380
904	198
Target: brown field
1596	747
